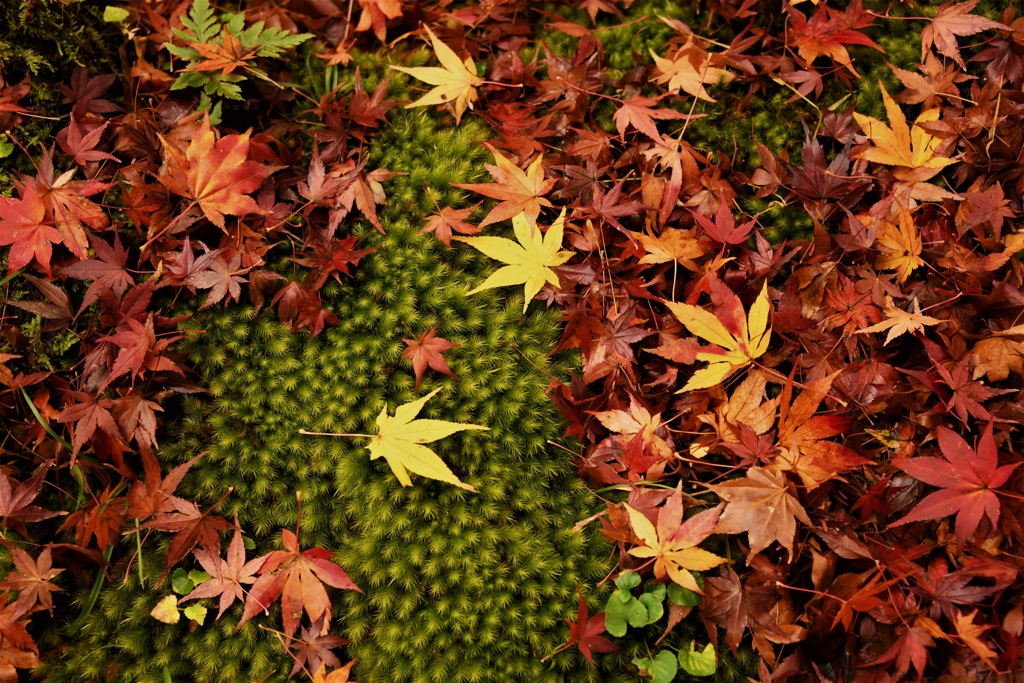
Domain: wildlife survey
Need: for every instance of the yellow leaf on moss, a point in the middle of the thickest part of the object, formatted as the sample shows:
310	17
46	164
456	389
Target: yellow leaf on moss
529	262
455	83
400	437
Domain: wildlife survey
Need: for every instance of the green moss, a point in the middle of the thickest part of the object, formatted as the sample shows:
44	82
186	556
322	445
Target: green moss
46	38
459	586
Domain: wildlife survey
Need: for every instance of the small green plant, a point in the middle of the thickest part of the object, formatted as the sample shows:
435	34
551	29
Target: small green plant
216	48
625	609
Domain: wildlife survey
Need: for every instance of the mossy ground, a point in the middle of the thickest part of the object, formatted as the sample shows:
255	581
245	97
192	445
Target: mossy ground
458	586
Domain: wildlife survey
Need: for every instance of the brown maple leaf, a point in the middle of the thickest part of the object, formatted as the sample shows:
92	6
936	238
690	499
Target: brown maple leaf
190	526
443	221
762	505
953	20
425	350
214	174
32	579
638	112
803	433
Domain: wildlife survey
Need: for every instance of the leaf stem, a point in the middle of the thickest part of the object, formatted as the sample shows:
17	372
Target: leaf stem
363	436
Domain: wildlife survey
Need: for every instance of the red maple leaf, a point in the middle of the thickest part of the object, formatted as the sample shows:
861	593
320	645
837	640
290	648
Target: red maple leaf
226	576
154	496
724	229
585	633
214	174
67	203
141	350
442	222
967	478
298	578
23	227
425	350
16	506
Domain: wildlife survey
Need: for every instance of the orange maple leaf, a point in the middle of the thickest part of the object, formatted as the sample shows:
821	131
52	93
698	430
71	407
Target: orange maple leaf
689	70
519	191
900	246
912	150
214	174
227	57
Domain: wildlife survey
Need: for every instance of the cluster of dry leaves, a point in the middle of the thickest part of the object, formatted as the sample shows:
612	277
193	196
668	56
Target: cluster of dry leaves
836	413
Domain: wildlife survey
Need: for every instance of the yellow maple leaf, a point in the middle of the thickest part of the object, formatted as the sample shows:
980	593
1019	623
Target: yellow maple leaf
529	262
912	149
898	321
399	440
674	543
733	348
900	246
455	83
400	437
689	70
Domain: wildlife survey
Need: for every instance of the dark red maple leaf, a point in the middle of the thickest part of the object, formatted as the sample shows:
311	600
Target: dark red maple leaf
191	527
107	271
298	578
425	350
585	632
32	579
968	479
226	576
366	110
299	306
332	259
88	415
16	505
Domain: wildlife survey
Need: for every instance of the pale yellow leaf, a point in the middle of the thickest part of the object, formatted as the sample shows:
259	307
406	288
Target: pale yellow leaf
399	438
455	83
530	261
